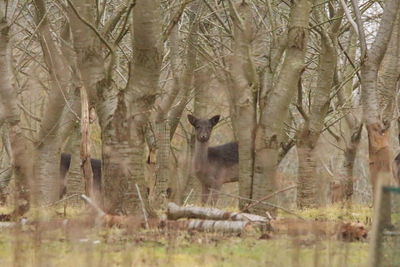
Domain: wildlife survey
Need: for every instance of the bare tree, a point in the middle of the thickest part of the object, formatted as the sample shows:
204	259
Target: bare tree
371	59
143	82
243	83
270	129
307	189
21	148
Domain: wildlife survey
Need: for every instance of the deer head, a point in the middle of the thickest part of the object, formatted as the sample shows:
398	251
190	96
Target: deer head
203	127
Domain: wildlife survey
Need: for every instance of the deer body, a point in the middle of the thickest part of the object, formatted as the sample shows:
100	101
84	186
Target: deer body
213	166
65	163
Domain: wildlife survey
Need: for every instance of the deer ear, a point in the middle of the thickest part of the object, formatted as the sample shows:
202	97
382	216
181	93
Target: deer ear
214	120
192	119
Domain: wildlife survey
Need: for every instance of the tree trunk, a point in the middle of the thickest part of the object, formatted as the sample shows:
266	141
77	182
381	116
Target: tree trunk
378	136
389	74
270	130
243	83
351	126
49	144
380	158
120	196
21	148
117	152
75	184
186	83
190	64
307	189
201	103
142	88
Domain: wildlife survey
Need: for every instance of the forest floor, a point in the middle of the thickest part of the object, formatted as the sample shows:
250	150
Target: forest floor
82	246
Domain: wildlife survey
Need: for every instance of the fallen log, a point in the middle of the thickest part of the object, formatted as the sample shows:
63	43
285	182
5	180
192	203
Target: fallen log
175	212
208	225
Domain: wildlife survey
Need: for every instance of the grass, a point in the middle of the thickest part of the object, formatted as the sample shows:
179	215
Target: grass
116	248
78	246
356	213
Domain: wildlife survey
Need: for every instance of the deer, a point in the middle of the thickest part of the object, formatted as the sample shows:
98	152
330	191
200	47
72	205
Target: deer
65	162
216	165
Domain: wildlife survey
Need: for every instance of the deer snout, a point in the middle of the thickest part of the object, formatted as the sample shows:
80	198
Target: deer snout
203	138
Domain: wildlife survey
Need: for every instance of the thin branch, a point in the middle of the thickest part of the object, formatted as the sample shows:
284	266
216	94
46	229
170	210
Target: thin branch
30	114
262	202
175	20
102	39
360	26
268	197
348	16
143	206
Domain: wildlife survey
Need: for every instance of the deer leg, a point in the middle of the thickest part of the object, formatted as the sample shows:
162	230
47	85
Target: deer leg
205	193
215	194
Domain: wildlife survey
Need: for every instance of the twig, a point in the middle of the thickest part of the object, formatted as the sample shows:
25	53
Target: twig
99	211
360	27
174	21
30	114
327	169
95	31
60	201
268	197
261	202
101	37
143	207
215	13
187	198
348	16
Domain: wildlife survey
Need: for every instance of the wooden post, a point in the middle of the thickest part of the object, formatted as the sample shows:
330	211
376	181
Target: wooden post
380	220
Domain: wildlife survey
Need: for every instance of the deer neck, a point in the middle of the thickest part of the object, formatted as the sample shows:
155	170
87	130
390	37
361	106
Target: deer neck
200	154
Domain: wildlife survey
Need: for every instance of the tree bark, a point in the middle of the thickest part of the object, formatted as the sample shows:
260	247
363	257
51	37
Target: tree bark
186	83
111	107
307	187
142	87
270	129
380	158
351	125
49	144
175	212
21	148
389	74
244	84
378	136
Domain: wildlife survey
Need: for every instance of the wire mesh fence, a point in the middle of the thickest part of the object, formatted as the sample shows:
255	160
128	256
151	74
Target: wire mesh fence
391	234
